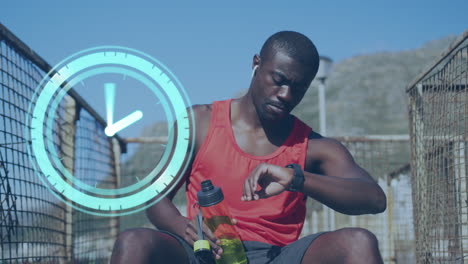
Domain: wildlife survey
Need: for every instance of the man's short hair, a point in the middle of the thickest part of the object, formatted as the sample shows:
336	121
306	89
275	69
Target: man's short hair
293	44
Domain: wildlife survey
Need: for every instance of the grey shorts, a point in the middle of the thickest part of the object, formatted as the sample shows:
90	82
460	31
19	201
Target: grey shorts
262	253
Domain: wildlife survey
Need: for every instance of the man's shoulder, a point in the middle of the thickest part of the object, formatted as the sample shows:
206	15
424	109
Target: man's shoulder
320	148
318	143
201	107
201	113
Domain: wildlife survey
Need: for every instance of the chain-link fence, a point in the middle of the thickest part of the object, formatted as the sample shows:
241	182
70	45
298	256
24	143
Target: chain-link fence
35	227
96	164
438	113
383	157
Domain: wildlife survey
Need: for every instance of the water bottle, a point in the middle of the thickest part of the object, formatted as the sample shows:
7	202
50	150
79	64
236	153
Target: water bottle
217	217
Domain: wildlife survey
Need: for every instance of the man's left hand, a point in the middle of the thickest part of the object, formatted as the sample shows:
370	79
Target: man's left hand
272	180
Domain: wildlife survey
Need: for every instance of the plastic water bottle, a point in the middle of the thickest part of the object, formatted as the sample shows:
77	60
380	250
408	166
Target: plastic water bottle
217	217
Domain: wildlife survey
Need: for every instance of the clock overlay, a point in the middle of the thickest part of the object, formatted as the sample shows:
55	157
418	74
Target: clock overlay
156	77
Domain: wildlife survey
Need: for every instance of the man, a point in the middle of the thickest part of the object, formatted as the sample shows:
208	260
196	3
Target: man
243	146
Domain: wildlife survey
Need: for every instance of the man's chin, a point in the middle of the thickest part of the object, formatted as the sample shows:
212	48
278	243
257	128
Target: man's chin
275	118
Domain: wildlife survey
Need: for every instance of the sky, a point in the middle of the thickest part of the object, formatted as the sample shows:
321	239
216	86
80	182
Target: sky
209	45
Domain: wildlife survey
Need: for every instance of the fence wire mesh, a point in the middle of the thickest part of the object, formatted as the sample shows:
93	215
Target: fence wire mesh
35	227
93	236
383	157
32	226
438	112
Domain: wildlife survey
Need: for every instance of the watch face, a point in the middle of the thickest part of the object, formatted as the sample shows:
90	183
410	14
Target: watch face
106	74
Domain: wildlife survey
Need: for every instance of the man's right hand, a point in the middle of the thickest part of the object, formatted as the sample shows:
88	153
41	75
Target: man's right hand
187	229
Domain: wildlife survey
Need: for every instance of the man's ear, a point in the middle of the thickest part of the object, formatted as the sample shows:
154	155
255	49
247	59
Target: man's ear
255	61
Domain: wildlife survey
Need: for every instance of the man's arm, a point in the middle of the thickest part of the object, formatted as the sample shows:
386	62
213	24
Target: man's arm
164	215
346	188
341	184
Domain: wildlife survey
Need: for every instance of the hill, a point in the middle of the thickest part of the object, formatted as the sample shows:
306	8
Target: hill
366	94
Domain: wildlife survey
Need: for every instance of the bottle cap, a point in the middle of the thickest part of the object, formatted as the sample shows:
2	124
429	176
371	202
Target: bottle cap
209	194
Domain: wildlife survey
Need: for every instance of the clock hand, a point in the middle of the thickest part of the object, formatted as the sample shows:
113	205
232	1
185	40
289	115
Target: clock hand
123	123
109	91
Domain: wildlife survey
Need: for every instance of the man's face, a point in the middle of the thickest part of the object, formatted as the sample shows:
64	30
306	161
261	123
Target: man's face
279	84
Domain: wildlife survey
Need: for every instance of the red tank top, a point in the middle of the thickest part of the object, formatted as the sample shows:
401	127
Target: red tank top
277	220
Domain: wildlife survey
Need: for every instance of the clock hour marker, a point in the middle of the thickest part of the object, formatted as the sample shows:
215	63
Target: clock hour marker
109	90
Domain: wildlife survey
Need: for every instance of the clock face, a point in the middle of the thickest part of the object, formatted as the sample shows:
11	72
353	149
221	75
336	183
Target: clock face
110	70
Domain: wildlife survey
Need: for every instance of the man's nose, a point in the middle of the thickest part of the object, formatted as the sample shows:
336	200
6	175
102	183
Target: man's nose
284	93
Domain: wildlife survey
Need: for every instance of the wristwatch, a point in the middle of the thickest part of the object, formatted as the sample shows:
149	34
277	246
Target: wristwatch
297	183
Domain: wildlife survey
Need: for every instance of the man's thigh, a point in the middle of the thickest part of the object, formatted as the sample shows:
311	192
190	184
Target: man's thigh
261	253
294	252
347	245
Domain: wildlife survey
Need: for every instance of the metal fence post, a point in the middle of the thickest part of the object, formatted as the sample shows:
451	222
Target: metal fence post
419	177
389	221
115	223
462	201
67	145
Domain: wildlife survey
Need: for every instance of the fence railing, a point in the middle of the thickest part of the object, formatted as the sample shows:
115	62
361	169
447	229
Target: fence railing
438	113
34	225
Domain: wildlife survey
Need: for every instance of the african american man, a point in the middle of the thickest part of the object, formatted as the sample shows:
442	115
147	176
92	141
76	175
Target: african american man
244	146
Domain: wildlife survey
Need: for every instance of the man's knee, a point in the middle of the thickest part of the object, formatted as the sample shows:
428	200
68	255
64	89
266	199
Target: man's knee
358	238
141	237
359	245
135	235
144	245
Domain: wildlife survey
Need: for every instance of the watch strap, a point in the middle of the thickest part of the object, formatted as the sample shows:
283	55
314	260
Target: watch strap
297	184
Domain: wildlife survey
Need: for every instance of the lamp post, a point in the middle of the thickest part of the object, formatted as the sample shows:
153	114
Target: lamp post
324	70
322	75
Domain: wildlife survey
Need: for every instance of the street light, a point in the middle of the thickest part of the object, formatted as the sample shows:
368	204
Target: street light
324	70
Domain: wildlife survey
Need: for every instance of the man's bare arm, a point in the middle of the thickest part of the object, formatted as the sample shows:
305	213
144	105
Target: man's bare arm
165	216
342	184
